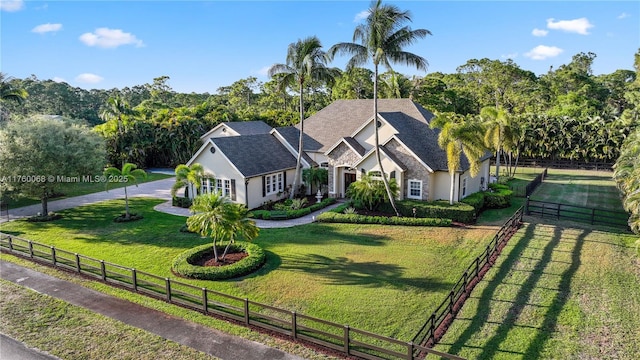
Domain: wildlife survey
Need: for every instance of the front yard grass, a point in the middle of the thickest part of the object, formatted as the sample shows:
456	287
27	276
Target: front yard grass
382	279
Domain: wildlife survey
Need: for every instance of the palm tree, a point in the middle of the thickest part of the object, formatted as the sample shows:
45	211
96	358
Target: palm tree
459	136
216	216
499	134
305	62
8	92
129	175
116	109
187	177
627	176
381	39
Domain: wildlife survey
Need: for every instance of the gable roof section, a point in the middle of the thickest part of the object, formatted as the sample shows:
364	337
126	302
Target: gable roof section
386	153
350	142
343	117
291	136
255	155
242	128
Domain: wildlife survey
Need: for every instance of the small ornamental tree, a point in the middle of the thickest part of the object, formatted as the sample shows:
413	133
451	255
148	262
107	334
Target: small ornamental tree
129	175
370	191
222	220
188	177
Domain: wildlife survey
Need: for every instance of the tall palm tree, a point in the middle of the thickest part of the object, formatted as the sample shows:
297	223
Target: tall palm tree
627	176
499	133
216	216
305	62
116	109
459	136
129	174
381	39
188	177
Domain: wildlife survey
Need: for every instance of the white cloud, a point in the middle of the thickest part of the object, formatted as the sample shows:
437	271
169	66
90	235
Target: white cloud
45	28
361	15
58	79
110	38
542	52
88	78
579	26
539	32
11	5
623	16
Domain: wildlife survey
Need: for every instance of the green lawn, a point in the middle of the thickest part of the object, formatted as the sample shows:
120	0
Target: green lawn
71	332
378	278
77	189
557	291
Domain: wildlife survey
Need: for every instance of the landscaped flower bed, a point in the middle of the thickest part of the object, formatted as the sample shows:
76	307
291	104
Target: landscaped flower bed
283	213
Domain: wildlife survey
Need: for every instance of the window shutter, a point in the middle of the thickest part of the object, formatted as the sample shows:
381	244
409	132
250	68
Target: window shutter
233	189
393	175
264	186
284	180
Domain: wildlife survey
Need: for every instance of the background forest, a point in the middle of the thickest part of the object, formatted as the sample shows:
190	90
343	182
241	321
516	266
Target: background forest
567	113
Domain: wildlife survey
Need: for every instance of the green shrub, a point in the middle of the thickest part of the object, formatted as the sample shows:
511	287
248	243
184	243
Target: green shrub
498	197
293	214
459	212
183	202
476	200
334	217
182	264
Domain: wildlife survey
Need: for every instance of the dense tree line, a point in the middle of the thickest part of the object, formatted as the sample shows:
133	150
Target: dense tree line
567	113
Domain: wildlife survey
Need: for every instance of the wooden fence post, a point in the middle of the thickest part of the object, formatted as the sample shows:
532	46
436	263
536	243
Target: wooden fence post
451	296
168	288
593	215
432	328
526	206
246	311
205	301
294	325
346	340
410	350
30	249
134	279
78	263
10	244
103	271
464	282
53	256
477	266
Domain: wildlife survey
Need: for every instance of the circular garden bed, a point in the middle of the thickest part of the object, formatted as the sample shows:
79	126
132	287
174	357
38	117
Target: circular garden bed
197	263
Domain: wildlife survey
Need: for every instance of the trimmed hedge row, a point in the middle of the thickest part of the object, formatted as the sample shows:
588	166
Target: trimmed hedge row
293	214
182	264
334	217
498	197
458	212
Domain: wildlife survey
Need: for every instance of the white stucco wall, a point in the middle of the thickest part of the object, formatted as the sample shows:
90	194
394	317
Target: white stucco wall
366	136
218	166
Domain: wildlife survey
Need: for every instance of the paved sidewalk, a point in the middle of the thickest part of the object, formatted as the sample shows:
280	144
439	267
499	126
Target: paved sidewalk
199	337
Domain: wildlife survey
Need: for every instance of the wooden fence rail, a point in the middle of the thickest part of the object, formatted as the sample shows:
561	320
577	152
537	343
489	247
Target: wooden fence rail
576	213
339	337
432	329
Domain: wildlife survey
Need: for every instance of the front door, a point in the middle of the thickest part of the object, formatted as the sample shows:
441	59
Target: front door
348	179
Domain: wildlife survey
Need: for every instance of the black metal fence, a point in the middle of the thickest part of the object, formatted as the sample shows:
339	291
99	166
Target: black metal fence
527	190
576	213
338	337
436	324
566	164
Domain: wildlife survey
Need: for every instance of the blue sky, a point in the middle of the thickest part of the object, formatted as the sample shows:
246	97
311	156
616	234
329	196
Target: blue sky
202	45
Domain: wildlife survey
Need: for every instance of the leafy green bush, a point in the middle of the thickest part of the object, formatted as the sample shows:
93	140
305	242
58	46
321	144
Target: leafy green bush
498	197
183	202
476	200
183	263
293	214
334	217
459	212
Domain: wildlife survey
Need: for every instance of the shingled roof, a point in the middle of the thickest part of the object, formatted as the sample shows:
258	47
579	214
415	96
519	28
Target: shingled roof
292	136
249	127
255	155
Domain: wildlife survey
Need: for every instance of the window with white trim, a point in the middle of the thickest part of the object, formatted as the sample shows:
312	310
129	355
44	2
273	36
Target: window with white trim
414	190
273	184
208	186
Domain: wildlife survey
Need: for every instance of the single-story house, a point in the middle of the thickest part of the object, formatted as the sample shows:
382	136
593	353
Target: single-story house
253	163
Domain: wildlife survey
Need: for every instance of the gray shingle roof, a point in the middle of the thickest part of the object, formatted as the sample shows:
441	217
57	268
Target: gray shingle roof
355	145
343	117
255	155
249	127
291	135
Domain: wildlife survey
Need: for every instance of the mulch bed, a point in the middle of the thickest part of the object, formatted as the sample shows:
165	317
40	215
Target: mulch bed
229	259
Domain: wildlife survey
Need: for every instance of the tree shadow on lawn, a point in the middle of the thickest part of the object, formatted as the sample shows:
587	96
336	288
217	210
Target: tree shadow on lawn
344	271
522	298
